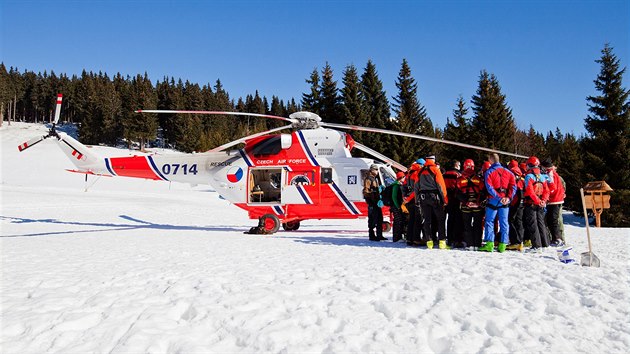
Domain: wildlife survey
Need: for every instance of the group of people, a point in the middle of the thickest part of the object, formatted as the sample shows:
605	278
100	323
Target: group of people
519	205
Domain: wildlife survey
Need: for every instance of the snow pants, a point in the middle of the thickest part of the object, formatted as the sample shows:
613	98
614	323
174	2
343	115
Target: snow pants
398	229
553	219
517	230
414	223
375	220
432	207
502	213
473	227
454	229
534	219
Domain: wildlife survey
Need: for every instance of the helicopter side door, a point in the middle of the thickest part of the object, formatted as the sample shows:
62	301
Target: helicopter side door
265	185
300	186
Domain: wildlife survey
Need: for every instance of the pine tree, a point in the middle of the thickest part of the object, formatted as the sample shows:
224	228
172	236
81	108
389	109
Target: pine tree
293	107
108	106
352	103
88	128
190	126
4	91
566	154
607	145
492	123
411	117
222	102
608	124
277	107
457	130
329	96
141	127
311	102
536	145
376	109
169	97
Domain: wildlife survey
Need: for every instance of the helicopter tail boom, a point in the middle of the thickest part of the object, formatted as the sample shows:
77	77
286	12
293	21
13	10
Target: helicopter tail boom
79	154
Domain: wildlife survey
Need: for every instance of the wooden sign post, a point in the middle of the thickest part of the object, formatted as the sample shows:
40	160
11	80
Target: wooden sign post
596	199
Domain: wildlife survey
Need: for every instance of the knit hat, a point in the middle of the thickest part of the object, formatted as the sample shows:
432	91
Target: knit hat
547	163
420	161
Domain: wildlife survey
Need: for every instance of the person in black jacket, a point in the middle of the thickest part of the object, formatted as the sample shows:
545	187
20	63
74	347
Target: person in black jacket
372	197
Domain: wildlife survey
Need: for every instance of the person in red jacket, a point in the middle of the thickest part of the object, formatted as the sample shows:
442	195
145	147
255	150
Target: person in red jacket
430	192
536	194
553	218
517	230
470	194
501	188
454	229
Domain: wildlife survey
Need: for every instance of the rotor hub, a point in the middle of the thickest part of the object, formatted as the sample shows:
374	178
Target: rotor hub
305	120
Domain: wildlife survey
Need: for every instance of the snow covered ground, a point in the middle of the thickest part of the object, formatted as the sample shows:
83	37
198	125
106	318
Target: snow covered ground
138	266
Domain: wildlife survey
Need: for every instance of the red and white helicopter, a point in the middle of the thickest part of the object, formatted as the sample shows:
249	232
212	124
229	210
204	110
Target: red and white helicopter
279	179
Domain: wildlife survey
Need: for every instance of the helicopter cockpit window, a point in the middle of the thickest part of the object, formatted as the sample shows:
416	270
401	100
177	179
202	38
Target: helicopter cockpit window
327	174
387	177
270	146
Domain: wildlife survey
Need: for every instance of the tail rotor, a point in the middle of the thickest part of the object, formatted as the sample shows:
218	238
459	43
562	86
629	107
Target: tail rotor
51	133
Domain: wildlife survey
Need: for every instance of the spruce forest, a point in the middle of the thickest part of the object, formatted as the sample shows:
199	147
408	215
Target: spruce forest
103	109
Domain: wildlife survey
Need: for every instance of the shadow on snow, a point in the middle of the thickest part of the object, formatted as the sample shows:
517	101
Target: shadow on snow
134	224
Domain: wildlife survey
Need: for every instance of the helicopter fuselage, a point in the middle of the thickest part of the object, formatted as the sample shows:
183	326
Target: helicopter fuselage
308	174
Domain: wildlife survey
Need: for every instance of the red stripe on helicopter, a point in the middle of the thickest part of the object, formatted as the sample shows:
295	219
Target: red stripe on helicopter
77	154
135	166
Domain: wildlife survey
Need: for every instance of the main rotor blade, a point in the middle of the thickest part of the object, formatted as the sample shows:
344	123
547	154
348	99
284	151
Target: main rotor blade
380	156
241	140
218	113
392	132
30	143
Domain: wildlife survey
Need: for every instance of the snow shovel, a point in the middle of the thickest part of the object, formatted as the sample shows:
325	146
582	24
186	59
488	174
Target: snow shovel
588	258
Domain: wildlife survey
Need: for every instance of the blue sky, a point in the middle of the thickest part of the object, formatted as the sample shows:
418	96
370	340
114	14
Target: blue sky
542	52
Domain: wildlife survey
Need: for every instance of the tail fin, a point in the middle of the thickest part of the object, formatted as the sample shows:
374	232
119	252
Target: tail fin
80	155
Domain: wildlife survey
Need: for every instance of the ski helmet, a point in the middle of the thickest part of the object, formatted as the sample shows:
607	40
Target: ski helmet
485	167
533	162
523	167
400	175
469	165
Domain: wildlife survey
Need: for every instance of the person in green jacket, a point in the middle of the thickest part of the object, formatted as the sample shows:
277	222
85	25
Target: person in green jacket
397	200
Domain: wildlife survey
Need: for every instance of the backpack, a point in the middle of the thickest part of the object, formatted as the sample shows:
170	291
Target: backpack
386	195
538	187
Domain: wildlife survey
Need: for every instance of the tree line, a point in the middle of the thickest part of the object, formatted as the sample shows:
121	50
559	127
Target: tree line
103	107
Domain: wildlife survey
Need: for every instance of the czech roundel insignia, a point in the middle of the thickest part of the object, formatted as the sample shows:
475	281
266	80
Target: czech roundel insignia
235	174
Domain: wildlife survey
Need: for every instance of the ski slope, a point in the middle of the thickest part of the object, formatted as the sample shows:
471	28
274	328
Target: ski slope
139	266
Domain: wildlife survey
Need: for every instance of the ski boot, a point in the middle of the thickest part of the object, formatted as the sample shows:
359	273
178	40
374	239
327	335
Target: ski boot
515	247
430	244
487	247
443	246
501	247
